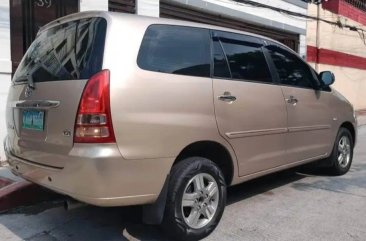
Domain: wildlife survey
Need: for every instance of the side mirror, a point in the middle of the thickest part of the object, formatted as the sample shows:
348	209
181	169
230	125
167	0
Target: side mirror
327	78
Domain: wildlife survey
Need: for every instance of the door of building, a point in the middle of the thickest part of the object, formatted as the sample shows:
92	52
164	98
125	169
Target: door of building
28	16
122	6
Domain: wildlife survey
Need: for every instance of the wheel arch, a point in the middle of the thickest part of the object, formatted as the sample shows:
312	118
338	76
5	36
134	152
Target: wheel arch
213	151
349	126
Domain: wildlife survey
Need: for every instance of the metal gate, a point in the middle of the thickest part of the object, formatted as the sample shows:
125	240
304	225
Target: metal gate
169	10
124	6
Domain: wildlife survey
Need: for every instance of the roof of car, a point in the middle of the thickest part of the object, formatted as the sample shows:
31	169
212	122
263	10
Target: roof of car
150	20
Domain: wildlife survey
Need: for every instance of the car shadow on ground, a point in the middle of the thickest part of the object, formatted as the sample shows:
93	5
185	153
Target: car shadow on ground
237	193
339	184
121	223
263	185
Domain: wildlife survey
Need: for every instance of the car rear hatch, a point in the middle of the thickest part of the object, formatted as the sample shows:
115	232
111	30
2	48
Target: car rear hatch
47	86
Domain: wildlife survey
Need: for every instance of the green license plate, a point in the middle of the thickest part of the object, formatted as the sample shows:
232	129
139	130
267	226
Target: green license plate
33	120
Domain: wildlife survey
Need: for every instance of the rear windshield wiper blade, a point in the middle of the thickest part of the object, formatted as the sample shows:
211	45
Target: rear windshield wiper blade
25	78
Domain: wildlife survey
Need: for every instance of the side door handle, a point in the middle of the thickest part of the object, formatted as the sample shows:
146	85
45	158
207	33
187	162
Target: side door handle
227	97
292	100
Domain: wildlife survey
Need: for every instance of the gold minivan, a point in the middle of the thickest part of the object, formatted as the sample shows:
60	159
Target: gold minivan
116	109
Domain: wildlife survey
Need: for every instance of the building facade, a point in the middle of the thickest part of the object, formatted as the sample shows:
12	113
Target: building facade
21	19
340	47
5	66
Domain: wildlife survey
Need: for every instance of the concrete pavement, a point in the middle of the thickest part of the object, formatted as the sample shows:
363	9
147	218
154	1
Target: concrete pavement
286	206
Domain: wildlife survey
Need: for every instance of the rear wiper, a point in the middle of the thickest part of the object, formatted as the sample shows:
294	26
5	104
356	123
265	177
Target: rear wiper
27	78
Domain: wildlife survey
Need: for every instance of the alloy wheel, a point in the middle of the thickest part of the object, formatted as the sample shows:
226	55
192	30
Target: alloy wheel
344	151
200	200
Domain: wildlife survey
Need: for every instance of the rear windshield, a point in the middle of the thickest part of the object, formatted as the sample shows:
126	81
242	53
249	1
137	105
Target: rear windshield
70	51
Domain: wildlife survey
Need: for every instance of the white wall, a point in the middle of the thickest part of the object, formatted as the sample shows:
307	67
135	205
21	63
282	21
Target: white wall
5	67
4	86
89	5
148	8
351	82
303	46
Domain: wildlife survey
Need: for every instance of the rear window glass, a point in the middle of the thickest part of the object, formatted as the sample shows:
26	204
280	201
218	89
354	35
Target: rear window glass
176	50
70	51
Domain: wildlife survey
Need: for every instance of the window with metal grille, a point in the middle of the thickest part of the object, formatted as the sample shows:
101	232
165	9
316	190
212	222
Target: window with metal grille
123	6
169	9
360	4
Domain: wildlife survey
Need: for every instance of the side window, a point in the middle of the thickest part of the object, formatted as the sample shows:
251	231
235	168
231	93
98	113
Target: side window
176	50
291	70
245	57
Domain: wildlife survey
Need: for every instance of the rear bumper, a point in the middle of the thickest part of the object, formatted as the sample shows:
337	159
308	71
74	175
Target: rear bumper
98	175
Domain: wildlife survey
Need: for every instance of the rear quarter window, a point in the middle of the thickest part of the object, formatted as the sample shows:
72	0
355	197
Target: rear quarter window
176	50
73	50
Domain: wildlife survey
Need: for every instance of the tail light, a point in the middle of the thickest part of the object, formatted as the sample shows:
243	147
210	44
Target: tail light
93	121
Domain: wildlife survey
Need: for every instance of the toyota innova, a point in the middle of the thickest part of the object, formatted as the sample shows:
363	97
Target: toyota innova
115	109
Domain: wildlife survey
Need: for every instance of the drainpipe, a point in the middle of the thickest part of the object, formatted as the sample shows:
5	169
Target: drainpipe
317	38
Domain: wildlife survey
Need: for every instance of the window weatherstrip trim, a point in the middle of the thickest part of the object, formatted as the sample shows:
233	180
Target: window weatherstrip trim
226	59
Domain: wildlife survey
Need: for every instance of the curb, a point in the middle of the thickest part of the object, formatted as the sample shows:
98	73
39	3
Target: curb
23	193
361	112
5	182
361	120
16	192
12	195
361	117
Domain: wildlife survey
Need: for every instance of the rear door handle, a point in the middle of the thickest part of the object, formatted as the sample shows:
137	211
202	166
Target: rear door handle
227	97
292	100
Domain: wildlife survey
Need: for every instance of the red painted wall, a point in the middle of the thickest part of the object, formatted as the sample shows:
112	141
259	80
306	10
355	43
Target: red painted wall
347	10
331	57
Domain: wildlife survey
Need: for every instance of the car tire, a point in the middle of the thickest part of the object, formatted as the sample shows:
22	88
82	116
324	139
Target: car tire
196	199
341	157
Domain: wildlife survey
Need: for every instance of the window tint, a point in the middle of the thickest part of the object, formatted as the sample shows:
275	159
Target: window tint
291	70
73	50
246	59
221	68
176	50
